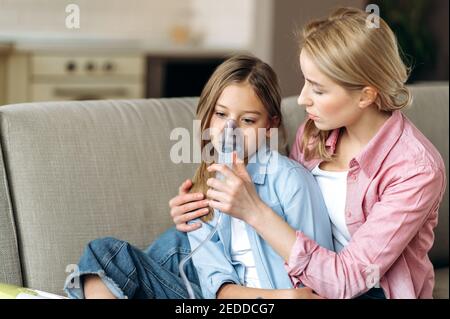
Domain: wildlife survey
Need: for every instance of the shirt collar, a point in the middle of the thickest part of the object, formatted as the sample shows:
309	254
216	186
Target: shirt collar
378	147
332	140
258	163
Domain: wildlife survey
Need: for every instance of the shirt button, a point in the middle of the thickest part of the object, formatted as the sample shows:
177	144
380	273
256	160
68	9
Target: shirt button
349	214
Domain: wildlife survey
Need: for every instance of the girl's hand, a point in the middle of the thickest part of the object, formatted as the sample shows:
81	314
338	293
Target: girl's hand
185	207
236	195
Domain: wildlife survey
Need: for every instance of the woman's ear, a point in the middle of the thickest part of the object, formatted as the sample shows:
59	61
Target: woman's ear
368	96
274	122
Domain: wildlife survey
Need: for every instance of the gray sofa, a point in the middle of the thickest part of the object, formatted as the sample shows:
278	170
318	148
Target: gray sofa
74	171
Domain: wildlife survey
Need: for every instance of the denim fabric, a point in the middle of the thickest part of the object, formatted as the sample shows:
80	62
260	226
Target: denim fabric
130	272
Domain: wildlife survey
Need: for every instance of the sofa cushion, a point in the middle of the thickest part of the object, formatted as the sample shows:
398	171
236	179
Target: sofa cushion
430	113
10	271
441	283
82	170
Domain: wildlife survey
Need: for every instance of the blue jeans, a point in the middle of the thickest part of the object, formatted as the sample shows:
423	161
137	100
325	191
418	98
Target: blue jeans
129	272
153	273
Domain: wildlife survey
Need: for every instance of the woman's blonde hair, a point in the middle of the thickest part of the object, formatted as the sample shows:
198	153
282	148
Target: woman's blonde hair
354	55
239	69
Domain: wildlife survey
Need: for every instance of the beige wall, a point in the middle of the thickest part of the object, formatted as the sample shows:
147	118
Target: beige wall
4	54
216	23
290	15
2	79
150	18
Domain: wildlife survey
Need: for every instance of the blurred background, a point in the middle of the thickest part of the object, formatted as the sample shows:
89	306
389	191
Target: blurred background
115	49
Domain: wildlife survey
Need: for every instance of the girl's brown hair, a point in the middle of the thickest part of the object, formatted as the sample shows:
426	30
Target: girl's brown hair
239	69
354	55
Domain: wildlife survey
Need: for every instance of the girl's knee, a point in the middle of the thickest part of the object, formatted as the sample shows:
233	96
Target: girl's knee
105	245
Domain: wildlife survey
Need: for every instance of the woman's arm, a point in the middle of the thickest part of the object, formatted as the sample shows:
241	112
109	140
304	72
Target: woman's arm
301	207
278	234
393	222
232	291
238	197
398	216
216	273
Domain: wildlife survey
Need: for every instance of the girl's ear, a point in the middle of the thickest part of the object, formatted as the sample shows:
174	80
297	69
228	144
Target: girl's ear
368	97
274	122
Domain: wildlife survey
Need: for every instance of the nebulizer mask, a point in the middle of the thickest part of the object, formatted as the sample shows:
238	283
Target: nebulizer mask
230	140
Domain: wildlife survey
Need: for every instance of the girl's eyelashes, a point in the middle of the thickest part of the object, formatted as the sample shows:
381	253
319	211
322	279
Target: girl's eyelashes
219	114
248	121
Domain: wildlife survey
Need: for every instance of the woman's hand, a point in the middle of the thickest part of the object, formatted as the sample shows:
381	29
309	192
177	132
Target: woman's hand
236	195
297	293
232	291
185	207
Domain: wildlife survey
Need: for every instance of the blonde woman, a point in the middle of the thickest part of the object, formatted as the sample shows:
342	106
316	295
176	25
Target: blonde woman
381	179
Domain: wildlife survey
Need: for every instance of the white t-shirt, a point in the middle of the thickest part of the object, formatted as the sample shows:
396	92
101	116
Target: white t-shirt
241	251
334	190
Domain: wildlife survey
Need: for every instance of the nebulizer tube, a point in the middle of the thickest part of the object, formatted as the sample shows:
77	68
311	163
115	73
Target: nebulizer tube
229	143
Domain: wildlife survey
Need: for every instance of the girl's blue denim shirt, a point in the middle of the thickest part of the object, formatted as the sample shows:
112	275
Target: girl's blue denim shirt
293	193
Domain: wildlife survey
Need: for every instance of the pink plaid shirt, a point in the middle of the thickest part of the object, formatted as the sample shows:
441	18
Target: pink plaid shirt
394	188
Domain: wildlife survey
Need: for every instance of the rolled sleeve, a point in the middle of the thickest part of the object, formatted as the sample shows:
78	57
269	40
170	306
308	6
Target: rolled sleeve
300	254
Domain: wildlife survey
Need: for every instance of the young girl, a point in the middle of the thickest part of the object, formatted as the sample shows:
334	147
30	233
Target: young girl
381	179
243	90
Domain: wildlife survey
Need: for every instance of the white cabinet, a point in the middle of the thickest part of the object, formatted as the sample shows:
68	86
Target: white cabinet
86	77
34	77
54	91
77	65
